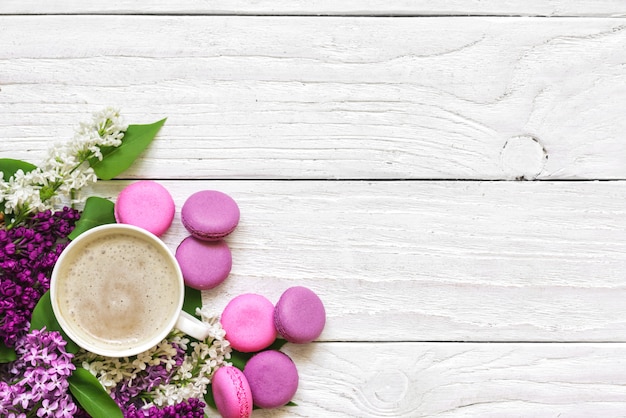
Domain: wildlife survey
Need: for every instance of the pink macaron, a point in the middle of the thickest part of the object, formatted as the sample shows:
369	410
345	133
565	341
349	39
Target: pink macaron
210	215
273	378
299	315
205	264
145	204
248	320
231	392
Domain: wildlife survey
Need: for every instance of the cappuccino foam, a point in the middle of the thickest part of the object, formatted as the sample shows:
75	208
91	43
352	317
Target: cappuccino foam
118	291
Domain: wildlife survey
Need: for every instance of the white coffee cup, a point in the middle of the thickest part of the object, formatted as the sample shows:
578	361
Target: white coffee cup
117	290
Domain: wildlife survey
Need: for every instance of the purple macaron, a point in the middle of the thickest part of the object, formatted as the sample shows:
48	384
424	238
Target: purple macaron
204	264
210	215
299	315
273	378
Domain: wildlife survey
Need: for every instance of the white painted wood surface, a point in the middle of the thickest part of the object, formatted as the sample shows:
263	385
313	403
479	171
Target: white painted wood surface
445	298
337	97
583	8
459	380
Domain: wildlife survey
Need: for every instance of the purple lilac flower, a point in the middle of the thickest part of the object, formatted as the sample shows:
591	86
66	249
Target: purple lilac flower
129	391
28	252
191	408
128	394
37	379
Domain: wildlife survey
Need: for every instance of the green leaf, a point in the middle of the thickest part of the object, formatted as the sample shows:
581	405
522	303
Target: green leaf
239	359
9	166
193	300
277	344
98	211
43	316
90	394
291	403
117	159
7	354
208	397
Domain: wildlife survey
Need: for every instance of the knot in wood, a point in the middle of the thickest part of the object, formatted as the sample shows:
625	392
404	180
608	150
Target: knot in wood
523	158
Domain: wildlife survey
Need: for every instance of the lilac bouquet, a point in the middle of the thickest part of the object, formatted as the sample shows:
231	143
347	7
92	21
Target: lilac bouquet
42	372
35	225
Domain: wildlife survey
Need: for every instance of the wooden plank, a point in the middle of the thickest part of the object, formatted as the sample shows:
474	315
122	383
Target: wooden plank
431	261
268	97
458	380
326	7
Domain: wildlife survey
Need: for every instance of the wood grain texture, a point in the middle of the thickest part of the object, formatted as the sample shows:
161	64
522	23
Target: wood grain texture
531	272
610	8
431	261
327	98
457	380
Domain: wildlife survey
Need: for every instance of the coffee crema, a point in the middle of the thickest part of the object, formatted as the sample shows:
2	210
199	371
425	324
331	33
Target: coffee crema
118	291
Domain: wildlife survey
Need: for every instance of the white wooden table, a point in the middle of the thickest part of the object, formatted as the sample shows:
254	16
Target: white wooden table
431	170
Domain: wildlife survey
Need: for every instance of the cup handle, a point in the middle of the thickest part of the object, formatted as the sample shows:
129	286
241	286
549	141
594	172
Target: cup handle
192	326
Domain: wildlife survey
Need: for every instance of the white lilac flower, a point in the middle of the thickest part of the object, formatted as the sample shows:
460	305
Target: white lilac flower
65	170
174	371
21	192
194	375
107	125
